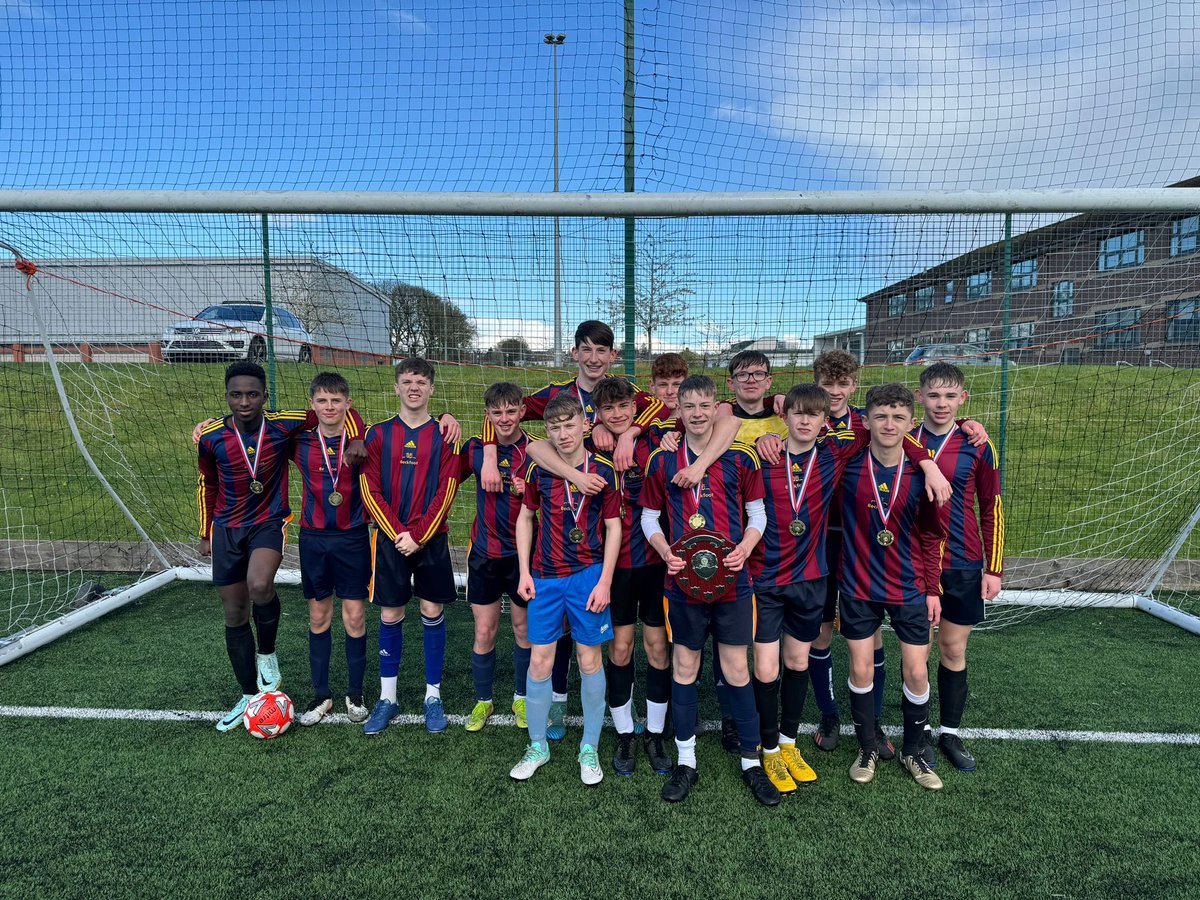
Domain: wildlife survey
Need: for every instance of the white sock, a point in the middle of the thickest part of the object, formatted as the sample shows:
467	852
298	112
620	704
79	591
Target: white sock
433	691
556	697
947	730
387	689
517	697
656	717
622	717
751	762
687	751
784	739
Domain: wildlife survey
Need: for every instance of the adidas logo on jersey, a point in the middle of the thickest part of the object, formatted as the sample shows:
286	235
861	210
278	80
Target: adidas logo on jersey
504	464
883	489
411	445
795	467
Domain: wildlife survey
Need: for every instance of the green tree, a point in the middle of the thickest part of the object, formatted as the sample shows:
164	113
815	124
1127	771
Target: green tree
514	351
663	278
422	323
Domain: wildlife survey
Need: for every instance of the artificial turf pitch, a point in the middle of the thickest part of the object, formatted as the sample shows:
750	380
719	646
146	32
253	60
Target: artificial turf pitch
132	808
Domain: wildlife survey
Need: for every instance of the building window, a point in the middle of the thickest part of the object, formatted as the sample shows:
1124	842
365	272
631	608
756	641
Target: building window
1020	335
1064	299
1115	328
949	291
896	350
896	304
1183	321
923	299
979	336
1184	233
1123	250
1024	275
979	285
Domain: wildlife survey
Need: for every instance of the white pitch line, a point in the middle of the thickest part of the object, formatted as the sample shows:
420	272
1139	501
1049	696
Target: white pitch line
988	734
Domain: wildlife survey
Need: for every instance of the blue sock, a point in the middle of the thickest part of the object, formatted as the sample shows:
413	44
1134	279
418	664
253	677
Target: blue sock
356	664
391	645
721	686
820	672
435	647
562	662
880	681
745	714
537	708
592	689
683	710
520	669
483	671
320	648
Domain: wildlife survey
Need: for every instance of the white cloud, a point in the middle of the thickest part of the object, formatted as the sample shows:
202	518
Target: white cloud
539	335
410	23
20	9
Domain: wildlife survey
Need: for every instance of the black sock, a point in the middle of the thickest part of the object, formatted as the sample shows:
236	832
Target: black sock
862	708
658	685
766	698
239	643
915	717
266	623
620	683
952	695
792	695
562	664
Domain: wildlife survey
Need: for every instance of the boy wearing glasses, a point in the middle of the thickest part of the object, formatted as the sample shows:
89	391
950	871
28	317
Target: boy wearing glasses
750	381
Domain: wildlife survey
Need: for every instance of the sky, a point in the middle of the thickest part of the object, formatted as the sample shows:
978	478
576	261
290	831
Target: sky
457	96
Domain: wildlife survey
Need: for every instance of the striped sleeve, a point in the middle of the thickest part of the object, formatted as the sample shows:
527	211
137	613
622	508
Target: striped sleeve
207	487
991	510
648	408
372	492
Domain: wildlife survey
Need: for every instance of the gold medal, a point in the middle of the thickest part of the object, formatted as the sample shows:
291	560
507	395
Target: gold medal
512	488
335	499
885	538
576	535
696	521
797	527
256	486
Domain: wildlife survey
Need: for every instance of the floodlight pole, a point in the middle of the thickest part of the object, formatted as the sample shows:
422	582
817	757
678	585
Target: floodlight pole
555	41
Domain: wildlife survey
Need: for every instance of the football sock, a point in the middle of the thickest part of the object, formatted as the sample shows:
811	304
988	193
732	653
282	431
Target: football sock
266	624
862	709
880	682
820	673
766	700
792	693
391	645
683	712
952	697
620	696
658	694
686	751
749	761
387	688
435	647
356	664
520	669
320	648
745	715
483	671
722	688
537	708
562	665
433	691
591	693
916	715
239	644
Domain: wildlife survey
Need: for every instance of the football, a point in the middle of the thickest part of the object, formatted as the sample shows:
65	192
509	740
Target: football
268	715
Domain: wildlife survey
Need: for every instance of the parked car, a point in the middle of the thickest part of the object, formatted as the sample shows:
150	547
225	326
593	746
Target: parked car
959	354
234	331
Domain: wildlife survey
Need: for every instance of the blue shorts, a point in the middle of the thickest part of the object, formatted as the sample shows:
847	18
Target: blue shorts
232	547
427	573
554	597
335	563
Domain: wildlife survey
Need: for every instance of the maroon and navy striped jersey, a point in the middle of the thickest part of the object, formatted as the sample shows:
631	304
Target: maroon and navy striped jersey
316	471
648	406
731	482
226	457
635	549
973	474
910	568
409	479
493	532
555	555
850	420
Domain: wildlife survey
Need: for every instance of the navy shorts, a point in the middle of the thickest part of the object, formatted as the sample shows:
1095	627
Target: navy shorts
637	596
426	573
833	562
555	597
335	563
729	621
489	579
794	609
962	596
231	548
860	619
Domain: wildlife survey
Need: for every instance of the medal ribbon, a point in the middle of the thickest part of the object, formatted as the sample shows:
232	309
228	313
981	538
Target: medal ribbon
253	467
591	420
582	496
515	464
875	488
797	499
685	457
949	434
333	473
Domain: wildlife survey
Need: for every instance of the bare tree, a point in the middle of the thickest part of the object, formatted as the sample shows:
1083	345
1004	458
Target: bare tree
663	278
422	323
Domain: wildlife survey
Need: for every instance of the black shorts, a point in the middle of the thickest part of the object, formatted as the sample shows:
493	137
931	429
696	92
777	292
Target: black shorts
637	596
962	596
729	622
335	563
860	619
231	548
794	609
833	562
426	573
489	579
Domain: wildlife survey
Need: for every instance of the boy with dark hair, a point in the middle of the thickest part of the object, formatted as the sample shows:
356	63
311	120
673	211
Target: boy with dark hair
891	565
243	497
974	560
408	484
730	489
492	567
568	571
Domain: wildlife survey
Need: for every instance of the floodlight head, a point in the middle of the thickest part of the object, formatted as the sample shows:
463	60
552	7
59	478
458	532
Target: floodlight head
548	39
559	38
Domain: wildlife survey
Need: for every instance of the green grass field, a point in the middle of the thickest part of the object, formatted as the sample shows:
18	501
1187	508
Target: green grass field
130	809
